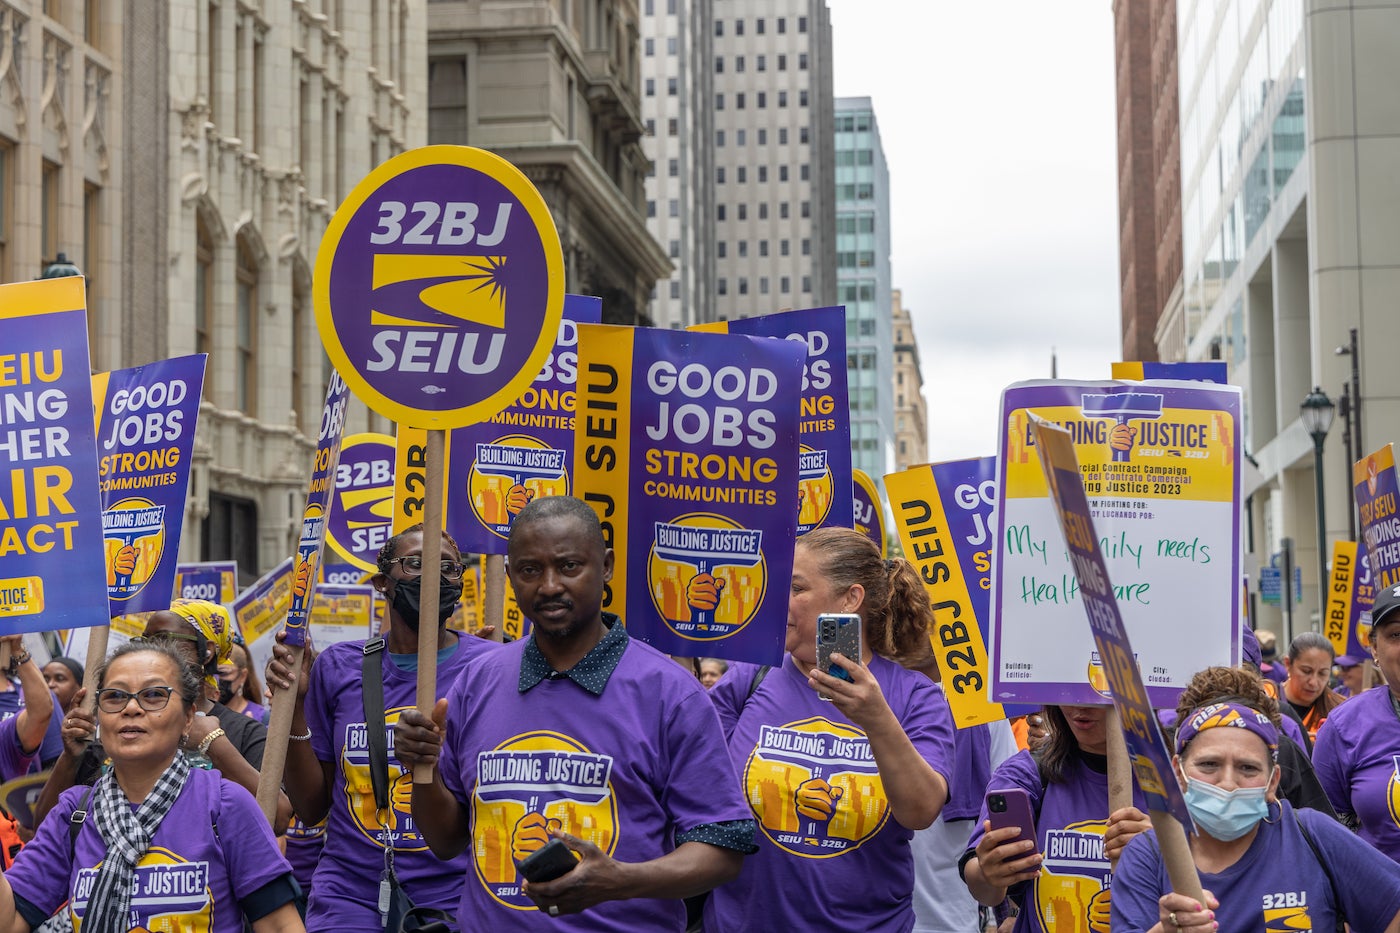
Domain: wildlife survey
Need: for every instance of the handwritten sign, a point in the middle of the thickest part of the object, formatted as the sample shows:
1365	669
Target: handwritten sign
1377	501
1148	751
1160	465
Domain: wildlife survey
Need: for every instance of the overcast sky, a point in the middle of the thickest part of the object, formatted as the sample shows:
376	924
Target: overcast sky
998	124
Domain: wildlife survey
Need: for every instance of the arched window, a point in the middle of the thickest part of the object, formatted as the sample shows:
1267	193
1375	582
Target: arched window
204	297
246	331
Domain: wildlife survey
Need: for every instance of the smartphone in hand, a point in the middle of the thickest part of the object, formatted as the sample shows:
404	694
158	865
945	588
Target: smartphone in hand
837	633
1012	807
551	860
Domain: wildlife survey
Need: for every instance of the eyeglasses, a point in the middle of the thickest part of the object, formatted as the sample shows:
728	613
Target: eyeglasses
150	699
413	567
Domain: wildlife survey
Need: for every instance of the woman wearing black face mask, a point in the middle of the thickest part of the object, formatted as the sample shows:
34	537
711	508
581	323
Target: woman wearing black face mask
327	772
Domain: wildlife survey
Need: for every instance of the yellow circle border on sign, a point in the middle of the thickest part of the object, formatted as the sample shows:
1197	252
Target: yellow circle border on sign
353	440
529	197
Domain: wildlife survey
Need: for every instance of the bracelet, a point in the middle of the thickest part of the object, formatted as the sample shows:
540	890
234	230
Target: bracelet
18	659
301	738
208	741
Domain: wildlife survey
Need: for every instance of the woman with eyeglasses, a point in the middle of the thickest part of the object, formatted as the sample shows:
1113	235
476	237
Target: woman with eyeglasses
162	845
328	774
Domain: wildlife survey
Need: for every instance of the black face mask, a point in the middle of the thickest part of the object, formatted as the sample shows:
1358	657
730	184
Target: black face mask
225	691
408	595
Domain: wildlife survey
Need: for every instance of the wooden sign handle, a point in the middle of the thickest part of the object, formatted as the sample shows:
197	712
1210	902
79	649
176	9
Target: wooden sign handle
1176	855
279	727
1120	768
494	593
96	654
428	625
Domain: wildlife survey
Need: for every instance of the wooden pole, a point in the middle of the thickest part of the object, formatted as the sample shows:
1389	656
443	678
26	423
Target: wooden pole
1120	768
96	654
279	726
494	594
428	625
1176	855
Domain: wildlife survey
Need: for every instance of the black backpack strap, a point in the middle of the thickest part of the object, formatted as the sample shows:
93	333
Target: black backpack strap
1331	882
758	676
376	737
76	819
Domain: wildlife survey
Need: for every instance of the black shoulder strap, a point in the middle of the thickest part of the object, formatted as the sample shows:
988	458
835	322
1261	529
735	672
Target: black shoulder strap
758	676
76	819
372	685
1331	882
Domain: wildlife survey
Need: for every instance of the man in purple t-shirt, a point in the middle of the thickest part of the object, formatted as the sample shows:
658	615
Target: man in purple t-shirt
580	734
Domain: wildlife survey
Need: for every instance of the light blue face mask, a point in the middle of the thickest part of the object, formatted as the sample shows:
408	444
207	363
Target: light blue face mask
1225	815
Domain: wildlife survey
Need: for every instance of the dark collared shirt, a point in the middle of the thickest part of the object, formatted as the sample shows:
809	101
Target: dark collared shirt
592	673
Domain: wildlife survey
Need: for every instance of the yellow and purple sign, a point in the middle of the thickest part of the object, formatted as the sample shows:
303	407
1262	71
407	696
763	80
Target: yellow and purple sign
1378	502
686	445
869	510
361	509
1205	371
1351	592
146	418
51	533
824	427
215	581
259	609
313	516
1160	466
439	286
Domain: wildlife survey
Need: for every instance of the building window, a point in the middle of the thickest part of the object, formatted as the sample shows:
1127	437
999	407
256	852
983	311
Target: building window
782	136
783	247
804	172
722	287
762	210
782	63
806	209
806	247
741	174
651	208
763	284
743	285
671	43
719	139
738	27
785	284
741	137
673	167
675	249
802	61
673	208
758	26
802	134
743	212
651	127
230	532
92	259
719	212
649	47
762	99
763	247
672	86
7	210
49	234
762	63
673	127
246	331
675	288
783	173
721	248
719	27
762	173
762	136
719	174
801	98
738	64
801	24
651	87
806	284
782	210
782	98
782	25
204	296
300	353
743	249
719	101
719	63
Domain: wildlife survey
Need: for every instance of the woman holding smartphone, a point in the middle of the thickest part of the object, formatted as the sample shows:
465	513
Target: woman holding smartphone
1066	783
838	787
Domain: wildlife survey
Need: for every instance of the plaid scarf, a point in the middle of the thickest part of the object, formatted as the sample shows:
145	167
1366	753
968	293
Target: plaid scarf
127	836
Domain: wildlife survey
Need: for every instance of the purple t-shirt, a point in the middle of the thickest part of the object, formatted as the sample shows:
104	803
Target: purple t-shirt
1072	817
256	712
1278	884
626	770
1357	759
51	746
304	845
345	888
794	753
13	760
191	878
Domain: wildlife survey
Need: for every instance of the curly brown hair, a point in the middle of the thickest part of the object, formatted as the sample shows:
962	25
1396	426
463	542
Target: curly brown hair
896	611
1221	684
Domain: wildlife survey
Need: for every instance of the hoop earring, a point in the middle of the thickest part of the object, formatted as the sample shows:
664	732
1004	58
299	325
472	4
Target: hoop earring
1267	811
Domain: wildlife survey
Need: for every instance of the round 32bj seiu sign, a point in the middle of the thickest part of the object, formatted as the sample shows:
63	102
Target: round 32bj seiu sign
439	286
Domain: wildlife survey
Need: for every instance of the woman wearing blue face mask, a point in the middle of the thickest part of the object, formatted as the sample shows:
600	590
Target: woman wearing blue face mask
1263	865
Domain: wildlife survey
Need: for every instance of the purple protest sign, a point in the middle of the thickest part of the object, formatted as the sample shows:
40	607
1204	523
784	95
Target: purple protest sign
521	453
146	418
216	581
362	506
825	425
1148	751
313	516
869	512
50	509
1351	592
439	286
1161	471
1377	499
687	448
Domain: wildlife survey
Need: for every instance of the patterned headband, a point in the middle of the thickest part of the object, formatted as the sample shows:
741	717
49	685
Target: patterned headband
1227	714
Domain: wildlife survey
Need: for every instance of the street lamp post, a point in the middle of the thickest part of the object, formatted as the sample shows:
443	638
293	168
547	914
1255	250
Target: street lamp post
61	267
1316	412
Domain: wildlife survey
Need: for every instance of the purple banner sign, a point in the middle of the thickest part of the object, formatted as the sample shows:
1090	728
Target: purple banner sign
686	445
1377	500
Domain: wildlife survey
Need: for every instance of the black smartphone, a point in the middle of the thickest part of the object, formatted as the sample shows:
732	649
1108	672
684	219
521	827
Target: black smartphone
1012	807
549	861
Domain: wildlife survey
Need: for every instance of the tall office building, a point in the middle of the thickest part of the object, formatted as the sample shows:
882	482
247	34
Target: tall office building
678	87
1149	169
555	89
775	216
187	156
1290	146
864	282
910	407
